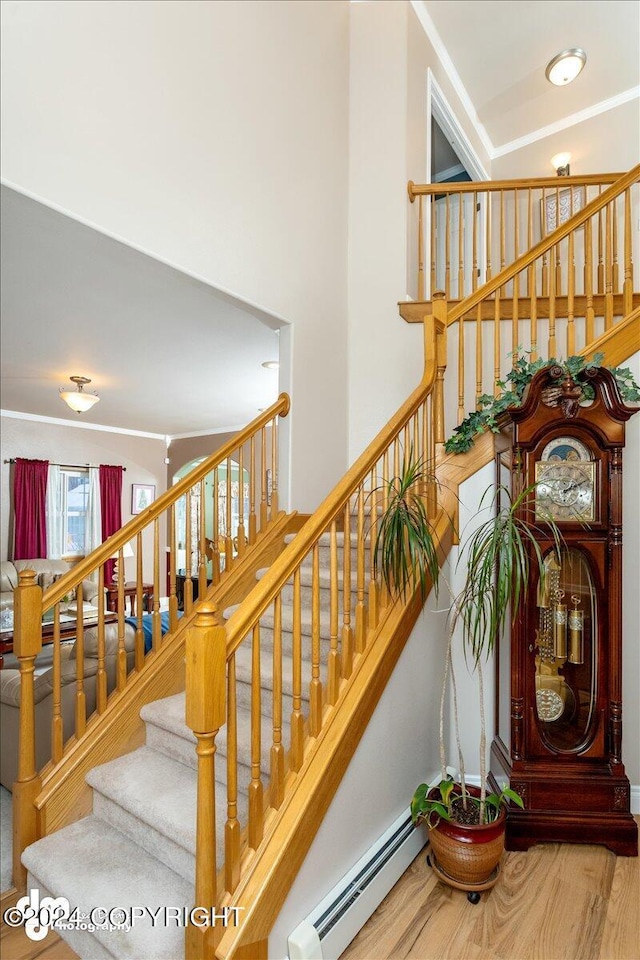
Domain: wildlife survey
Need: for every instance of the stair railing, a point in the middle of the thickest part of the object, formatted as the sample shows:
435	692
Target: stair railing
344	527
575	281
204	523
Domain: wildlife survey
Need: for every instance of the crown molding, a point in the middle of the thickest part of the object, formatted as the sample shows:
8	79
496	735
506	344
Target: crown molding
207	432
84	425
593	111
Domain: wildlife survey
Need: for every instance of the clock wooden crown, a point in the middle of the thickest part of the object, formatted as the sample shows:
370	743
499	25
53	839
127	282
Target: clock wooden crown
558	730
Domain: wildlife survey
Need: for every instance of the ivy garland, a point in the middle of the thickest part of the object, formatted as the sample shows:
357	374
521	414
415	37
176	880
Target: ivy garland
512	389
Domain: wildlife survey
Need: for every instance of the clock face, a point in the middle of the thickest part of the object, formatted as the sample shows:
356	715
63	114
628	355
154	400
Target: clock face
565	478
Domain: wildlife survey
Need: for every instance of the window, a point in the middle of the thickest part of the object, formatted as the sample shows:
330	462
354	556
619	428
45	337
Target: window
75	506
73	511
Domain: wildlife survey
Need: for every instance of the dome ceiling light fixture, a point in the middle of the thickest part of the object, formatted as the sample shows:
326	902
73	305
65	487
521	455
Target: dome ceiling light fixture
270	364
78	400
565	66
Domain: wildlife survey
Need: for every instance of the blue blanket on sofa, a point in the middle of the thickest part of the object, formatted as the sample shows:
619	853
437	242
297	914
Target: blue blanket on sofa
147	626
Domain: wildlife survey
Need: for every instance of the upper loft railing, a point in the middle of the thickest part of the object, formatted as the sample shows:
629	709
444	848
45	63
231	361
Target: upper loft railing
570	287
198	531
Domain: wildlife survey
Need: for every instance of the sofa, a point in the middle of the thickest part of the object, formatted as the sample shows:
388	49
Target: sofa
43	693
47	572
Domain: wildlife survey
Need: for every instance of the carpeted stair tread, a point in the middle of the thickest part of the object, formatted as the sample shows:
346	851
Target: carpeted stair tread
94	865
156	789
169	715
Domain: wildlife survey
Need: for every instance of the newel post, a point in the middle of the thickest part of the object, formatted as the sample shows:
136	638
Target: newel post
27	644
206	657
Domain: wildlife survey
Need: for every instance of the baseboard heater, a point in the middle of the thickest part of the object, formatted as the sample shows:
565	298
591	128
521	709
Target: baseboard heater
331	927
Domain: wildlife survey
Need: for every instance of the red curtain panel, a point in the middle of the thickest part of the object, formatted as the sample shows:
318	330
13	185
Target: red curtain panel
111	507
29	502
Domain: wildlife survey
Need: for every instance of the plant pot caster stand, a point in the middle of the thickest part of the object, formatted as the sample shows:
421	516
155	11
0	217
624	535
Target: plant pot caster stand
473	890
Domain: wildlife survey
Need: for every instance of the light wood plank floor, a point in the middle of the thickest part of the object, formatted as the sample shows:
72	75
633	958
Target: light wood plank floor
554	902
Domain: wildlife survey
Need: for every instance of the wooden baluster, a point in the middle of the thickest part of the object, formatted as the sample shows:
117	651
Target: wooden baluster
608	283
600	273
206	650
557	272
515	291
571	330
188	584
101	675
488	204
241	535
373	532
156	626
347	630
57	738
615	274
81	697
461	291
263	479
478	354
503	240
252	491
627	290
333	665
215	573
533	307
474	244
173	561
439	314
228	537
297	717
202	544
497	358
139	641
461	409
232	826
315	687
382	587
421	294
545	256
256	793
552	312
27	644
275	506
276	794
121	656
529	234
361	609
588	282
447	245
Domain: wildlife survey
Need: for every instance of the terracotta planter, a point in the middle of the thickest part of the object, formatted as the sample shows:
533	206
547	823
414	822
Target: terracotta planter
469	854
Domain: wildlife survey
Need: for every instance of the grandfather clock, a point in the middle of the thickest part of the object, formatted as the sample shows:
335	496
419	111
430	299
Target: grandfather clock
559	673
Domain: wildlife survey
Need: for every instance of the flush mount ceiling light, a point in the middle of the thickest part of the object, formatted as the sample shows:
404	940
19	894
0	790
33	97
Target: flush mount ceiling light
78	400
565	66
271	364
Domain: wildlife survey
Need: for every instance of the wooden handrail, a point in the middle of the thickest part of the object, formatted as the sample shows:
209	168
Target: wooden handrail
488	186
243	619
126	533
544	245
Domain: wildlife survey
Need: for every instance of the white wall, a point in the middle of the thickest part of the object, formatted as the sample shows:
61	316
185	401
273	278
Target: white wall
398	750
214	136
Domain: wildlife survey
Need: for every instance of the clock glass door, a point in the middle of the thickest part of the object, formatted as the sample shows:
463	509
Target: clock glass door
566	652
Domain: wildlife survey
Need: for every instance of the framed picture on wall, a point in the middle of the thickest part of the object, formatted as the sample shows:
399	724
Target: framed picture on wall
142	496
561	205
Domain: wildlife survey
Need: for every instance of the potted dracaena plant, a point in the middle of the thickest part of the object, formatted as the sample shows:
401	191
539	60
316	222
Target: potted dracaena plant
466	824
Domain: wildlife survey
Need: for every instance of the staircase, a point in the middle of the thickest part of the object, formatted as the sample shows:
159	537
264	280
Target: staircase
137	848
235	776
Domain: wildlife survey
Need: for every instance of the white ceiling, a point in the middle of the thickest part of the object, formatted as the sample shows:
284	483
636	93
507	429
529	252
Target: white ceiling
170	355
166	353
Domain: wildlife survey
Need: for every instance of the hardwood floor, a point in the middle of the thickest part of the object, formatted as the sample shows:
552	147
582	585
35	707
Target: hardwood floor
555	902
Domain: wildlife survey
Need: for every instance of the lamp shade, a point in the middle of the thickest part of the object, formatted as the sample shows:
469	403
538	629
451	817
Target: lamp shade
78	400
127	551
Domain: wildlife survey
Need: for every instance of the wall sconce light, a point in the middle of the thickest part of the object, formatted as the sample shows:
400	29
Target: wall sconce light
78	400
565	66
560	164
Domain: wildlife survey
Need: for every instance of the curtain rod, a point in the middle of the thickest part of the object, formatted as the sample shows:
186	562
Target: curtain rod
70	466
